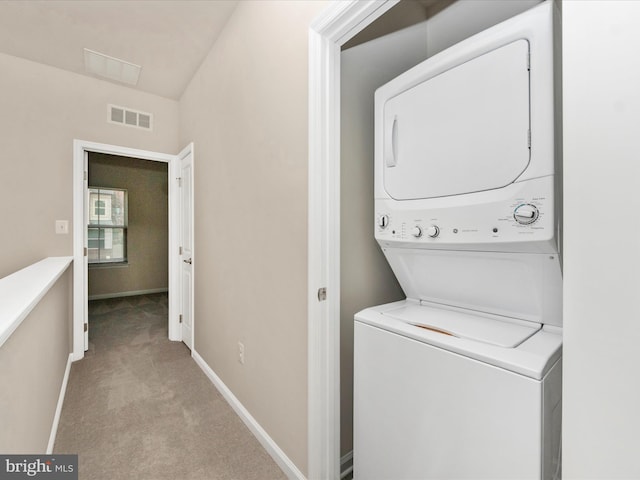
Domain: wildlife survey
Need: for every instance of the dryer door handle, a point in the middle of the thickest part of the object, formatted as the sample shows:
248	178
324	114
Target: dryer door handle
391	142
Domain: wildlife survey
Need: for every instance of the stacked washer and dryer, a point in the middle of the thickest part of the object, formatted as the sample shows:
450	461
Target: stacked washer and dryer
462	380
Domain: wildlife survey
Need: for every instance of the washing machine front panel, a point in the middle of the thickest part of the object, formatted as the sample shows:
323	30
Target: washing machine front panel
440	415
464	130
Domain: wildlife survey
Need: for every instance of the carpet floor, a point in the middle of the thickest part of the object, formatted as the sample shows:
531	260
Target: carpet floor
138	407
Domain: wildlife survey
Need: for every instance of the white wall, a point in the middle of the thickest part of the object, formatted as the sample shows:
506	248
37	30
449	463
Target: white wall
602	240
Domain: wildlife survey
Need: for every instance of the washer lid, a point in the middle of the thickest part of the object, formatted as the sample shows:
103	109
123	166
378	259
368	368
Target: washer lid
489	329
464	130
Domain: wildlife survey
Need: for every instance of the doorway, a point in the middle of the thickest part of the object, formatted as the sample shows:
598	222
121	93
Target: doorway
180	228
128	227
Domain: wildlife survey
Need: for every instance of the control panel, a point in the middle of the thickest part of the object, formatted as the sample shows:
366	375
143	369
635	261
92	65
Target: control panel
485	222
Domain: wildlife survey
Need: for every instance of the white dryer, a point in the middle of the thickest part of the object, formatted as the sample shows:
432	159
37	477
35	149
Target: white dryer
462	380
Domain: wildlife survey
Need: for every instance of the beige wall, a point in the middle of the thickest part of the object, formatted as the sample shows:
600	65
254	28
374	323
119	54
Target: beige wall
148	229
32	365
246	111
601	392
42	110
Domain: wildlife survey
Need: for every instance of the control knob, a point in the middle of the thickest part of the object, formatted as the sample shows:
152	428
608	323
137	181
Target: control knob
526	214
433	231
416	231
383	221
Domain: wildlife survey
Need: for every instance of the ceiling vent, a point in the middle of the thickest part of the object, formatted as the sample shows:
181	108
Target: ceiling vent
111	68
129	118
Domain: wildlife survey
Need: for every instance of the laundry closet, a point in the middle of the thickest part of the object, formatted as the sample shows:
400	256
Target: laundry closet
366	278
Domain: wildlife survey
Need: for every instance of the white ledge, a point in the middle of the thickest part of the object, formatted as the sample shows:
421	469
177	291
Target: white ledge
21	291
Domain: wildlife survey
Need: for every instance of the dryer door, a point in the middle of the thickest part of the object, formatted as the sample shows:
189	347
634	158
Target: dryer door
464	130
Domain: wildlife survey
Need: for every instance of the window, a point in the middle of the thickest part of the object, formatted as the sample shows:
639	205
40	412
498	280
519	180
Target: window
107	231
100	207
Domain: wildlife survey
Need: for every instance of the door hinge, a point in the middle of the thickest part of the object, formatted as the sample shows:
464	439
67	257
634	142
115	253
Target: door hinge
86	327
180	251
86	176
322	294
529	61
179	179
86	251
180	318
529	138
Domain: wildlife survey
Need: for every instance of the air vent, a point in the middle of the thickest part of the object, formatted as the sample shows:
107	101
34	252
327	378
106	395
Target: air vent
110	67
130	118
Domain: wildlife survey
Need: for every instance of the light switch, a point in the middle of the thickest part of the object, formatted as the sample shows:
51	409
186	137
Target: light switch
62	227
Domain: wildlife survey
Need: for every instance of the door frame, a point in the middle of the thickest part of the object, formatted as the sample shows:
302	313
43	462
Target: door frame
81	149
327	33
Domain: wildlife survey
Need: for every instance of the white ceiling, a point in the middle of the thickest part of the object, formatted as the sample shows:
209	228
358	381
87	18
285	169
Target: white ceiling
168	38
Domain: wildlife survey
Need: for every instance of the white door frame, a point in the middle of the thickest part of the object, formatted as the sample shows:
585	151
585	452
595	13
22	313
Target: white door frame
80	299
327	33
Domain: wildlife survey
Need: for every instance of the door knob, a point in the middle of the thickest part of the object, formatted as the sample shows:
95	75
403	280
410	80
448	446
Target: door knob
188	261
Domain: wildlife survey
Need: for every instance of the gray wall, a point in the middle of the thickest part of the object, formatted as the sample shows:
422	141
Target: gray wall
365	276
601	268
42	110
148	229
32	365
402	15
468	17
246	111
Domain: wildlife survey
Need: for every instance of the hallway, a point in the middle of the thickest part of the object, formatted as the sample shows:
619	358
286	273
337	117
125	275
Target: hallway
137	406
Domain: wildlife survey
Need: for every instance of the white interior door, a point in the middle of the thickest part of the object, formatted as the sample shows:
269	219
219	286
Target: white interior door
186	247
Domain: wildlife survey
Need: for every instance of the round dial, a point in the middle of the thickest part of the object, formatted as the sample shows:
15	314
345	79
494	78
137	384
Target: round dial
416	231
383	221
433	231
526	214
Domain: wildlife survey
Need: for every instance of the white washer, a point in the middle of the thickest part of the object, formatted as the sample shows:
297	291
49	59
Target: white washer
462	380
435	406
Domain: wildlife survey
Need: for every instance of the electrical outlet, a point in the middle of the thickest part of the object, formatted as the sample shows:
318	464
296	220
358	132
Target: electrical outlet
62	227
241	352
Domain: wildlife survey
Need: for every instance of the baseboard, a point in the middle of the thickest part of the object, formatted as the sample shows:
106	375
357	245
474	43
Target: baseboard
272	448
131	293
346	464
56	416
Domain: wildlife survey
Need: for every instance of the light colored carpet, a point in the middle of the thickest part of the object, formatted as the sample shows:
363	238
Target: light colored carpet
138	407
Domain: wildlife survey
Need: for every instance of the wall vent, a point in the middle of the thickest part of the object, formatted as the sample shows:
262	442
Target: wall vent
129	118
110	67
